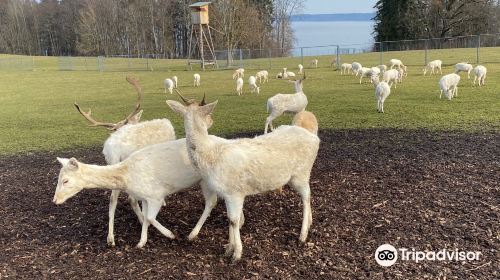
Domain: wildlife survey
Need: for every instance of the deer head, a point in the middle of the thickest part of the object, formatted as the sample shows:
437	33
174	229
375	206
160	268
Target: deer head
202	110
132	118
298	84
70	181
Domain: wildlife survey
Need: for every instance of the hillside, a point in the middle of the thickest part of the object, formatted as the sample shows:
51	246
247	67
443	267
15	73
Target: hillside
334	17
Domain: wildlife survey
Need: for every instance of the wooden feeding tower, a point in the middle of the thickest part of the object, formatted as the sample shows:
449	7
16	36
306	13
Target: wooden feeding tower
201	46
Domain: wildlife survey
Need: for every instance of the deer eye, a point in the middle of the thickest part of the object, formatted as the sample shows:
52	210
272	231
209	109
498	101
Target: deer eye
65	181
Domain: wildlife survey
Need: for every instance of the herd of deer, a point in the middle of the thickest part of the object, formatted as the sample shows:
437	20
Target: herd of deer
147	162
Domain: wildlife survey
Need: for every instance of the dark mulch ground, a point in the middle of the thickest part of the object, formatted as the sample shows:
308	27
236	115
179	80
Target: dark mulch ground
413	189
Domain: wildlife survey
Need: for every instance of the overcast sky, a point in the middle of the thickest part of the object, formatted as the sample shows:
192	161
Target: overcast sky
338	6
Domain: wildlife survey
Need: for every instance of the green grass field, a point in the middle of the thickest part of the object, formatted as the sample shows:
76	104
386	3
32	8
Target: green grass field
37	112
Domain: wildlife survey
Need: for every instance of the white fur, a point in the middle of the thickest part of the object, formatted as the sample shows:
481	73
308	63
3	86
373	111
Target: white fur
401	74
132	137
197	80
356	67
364	72
263	74
382	68
241	167
301	69
396	63
148	175
449	85
169	85
314	63
239	73
175	80
239	86
306	120
279	104
121	144
433	66
463	67
382	91
285	74
375	71
480	74
333	62
345	68
391	77
252	84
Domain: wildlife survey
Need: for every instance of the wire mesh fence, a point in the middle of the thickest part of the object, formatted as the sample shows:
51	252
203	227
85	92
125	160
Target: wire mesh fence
473	49
117	63
21	63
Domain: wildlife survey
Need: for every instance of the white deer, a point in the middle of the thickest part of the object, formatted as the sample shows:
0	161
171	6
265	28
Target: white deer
279	104
237	168
129	135
148	175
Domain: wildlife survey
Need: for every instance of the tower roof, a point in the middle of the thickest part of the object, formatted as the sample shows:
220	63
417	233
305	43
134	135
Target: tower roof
200	4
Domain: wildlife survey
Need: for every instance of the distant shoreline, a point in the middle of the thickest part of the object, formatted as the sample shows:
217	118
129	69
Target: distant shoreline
334	17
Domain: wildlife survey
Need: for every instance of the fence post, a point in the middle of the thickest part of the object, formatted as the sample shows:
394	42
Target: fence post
381	53
302	55
426	52
478	47
100	63
241	58
270	53
338	57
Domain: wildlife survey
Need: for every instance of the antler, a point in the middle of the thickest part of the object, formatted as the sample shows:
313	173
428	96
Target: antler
202	103
115	126
135	82
186	101
92	121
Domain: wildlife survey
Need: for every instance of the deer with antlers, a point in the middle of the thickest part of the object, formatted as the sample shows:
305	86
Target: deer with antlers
129	135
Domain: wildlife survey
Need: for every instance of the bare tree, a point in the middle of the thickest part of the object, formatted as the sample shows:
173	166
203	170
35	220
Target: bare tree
239	23
109	27
283	9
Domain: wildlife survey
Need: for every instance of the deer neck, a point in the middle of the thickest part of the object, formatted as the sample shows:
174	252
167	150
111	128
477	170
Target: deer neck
198	142
298	91
104	177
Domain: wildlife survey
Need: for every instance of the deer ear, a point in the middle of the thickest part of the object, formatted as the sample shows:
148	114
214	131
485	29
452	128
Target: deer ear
73	163
176	107
209	108
63	161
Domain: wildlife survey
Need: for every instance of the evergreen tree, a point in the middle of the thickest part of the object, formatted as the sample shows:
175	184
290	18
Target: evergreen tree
415	19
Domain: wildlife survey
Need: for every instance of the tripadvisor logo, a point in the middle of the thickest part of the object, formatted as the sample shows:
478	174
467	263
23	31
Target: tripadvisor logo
387	255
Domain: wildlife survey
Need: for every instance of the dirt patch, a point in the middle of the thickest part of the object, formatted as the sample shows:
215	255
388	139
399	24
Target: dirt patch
412	189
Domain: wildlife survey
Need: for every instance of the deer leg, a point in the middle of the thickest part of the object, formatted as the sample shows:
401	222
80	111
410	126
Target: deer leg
234	206
145	225
210	202
137	209
113	201
302	187
153	209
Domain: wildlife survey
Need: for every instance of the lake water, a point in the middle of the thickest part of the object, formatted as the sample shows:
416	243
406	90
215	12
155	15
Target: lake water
348	34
